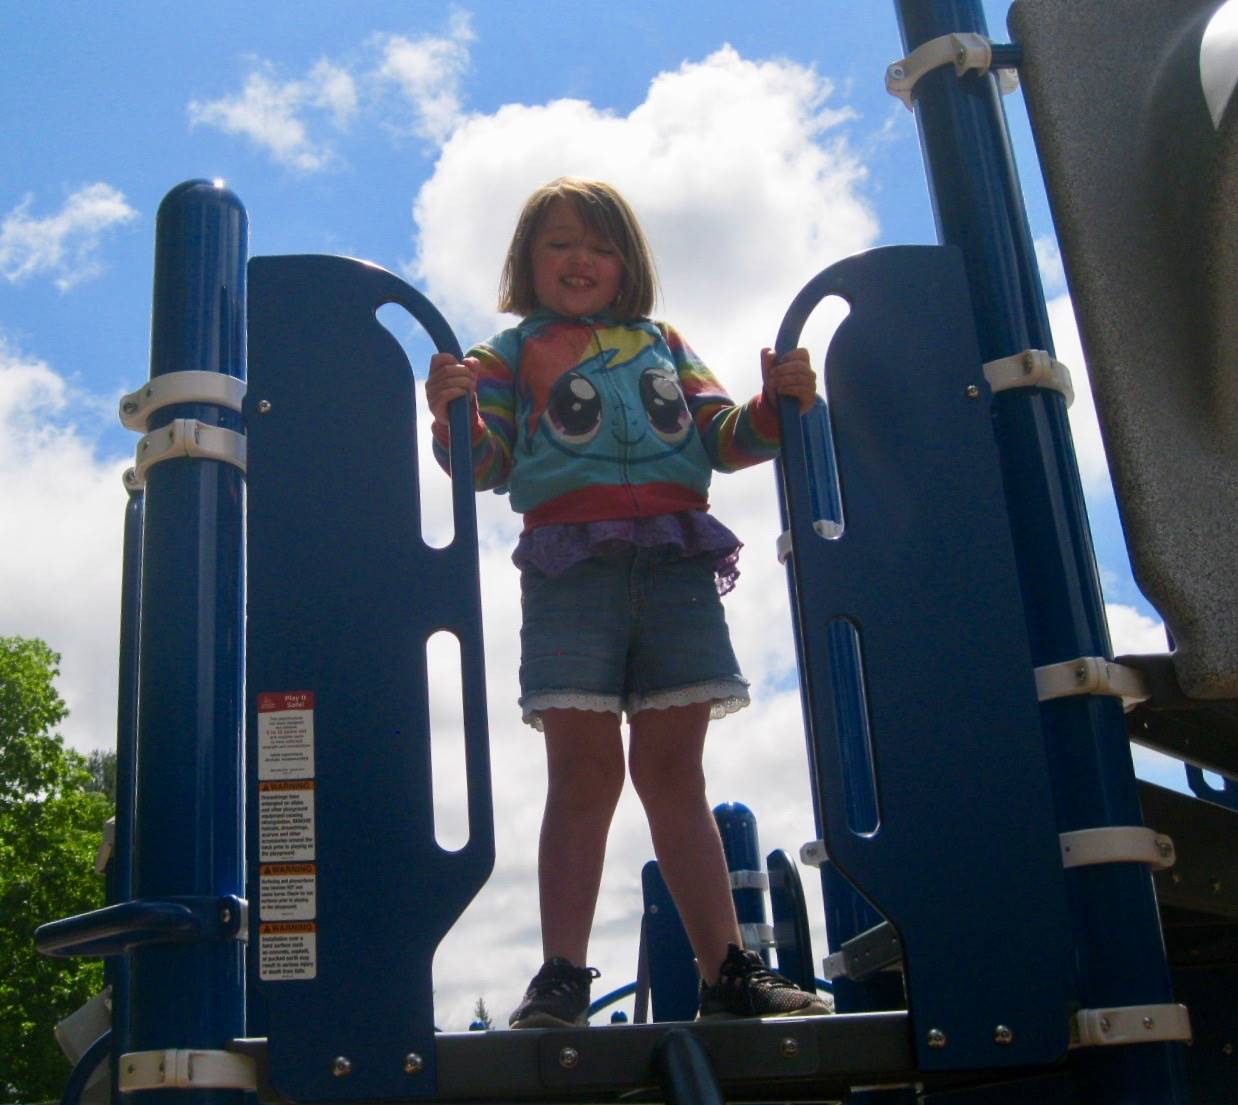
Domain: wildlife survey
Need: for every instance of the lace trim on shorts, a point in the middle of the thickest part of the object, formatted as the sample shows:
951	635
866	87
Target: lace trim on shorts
533	706
725	696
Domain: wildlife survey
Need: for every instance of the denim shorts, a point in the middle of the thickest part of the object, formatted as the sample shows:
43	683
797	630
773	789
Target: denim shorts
642	629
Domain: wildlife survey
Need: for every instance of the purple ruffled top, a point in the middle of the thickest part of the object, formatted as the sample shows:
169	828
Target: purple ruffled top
555	548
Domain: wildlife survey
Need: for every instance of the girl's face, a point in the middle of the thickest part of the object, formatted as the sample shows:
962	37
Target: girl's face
575	270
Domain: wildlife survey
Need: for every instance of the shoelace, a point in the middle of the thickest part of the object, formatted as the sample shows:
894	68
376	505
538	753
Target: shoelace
560	983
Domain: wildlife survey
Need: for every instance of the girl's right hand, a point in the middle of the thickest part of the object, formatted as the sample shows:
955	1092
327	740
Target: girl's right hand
448	380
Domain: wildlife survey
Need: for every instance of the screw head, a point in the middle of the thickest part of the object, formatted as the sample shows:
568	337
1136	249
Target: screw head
264	406
897	72
936	1038
225	915
568	1058
1149	1023
653	909
414	1063
972	392
1029	363
789	1047
341	1066
1105	1024
1003	1035
1163	849
129	406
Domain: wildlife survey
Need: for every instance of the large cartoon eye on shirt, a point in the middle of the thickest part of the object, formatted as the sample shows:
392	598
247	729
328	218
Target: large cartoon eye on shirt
665	405
574	409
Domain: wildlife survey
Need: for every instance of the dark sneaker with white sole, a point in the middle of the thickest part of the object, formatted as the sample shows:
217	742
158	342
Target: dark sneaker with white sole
558	997
746	987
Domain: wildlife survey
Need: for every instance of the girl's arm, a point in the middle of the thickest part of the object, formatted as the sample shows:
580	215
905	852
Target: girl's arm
739	435
487	378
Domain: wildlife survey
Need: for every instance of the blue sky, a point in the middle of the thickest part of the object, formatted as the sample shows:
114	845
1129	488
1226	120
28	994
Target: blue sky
756	142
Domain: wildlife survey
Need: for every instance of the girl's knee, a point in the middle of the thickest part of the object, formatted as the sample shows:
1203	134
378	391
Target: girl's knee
665	773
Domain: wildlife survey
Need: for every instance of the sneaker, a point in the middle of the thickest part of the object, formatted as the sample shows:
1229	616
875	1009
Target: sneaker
558	997
746	987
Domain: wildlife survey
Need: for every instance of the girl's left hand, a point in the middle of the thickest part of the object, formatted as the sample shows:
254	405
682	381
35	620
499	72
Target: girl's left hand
790	375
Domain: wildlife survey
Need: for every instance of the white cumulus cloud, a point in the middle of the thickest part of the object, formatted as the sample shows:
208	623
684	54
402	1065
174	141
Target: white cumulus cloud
429	71
272	113
63	509
64	245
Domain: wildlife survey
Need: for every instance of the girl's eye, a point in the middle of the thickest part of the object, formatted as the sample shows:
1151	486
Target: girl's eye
665	405
574	409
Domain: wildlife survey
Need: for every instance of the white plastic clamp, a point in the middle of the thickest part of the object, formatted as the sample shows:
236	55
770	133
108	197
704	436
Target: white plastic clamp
1130	1024
813	854
756	935
190	386
965	50
1117	844
1033	368
186	437
749	880
187	1069
1090	675
825	527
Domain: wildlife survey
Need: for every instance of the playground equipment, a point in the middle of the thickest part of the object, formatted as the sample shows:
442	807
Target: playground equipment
995	932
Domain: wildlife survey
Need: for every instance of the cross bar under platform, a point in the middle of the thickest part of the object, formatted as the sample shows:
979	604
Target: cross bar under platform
787	1059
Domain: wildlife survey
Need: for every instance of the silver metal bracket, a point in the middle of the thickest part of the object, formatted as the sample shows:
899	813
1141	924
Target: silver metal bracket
756	935
186	1069
1033	368
185	437
813	854
1091	675
825	527
1130	1024
1117	844
749	880
964	50
180	387
874	950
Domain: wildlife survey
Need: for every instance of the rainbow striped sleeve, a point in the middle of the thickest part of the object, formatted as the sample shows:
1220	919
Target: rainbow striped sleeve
494	423
735	436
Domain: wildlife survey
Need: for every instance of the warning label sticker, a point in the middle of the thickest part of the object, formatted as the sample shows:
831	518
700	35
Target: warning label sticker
287	950
287	891
286	821
286	735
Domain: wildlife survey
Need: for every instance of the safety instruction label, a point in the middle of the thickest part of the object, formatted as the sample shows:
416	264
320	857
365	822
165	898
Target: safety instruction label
286	735
287	891
287	950
286	821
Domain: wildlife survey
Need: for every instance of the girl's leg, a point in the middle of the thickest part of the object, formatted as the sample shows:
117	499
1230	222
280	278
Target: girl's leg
584	767
664	759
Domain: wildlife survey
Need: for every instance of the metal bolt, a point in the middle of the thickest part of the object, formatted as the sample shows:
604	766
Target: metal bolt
1175	878
568	1058
653	909
1164	848
1226	1049
341	1066
1029	363
1216	886
936	1038
972	392
225	915
414	1063
264	406
1003	1035
1149	1023
129	407
131	1069
961	56
1081	673
897	72
1105	1024
790	1047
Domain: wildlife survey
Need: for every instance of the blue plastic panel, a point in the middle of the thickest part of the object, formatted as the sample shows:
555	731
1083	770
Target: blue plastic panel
343	595
964	860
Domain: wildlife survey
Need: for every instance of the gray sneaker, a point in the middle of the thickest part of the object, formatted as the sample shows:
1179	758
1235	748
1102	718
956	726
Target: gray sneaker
558	997
746	987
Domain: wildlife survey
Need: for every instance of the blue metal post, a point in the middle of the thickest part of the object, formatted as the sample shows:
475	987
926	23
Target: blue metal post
979	208
121	868
188	835
737	825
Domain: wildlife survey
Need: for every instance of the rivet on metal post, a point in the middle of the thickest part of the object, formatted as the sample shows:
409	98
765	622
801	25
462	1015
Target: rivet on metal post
1003	1035
568	1058
1105	1024
972	392
341	1066
790	1047
225	915
936	1038
264	406
414	1063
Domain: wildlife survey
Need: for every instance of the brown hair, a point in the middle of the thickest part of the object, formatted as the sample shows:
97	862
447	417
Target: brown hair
606	213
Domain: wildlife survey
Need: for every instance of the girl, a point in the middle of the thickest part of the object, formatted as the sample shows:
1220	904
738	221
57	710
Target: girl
603	427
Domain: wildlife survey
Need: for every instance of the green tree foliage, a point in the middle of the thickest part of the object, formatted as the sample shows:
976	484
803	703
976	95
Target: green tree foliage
51	812
481	1013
